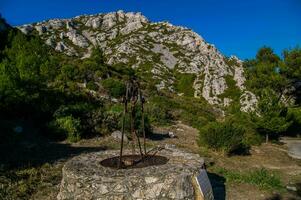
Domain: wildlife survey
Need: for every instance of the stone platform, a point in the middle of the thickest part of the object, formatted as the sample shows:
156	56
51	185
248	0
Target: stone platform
85	178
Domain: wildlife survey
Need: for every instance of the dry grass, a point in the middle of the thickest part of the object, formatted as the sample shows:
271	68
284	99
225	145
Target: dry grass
272	157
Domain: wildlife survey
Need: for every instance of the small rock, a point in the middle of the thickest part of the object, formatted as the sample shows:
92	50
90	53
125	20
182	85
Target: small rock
169	146
103	189
117	136
138	194
149	180
291	188
171	134
120	188
114	100
154	191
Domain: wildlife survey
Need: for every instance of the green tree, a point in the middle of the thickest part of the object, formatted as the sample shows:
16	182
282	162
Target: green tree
265	72
115	87
24	70
271	115
266	54
292	61
292	70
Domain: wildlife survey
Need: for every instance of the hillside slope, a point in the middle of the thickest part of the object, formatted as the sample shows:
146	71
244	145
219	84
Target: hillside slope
166	55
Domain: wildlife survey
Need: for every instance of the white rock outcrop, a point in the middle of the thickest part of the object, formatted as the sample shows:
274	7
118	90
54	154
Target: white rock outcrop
159	48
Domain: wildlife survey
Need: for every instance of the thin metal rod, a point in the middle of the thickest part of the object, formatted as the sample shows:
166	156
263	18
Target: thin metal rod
132	129
123	128
139	144
122	139
143	128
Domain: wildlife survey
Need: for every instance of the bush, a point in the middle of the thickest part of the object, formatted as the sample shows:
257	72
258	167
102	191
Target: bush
226	136
69	126
137	122
251	136
294	115
158	113
112	117
115	87
184	83
92	86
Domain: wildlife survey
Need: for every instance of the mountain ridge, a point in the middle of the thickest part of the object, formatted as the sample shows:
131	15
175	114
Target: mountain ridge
159	50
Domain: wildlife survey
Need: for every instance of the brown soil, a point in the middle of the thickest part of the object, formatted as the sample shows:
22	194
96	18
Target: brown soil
270	156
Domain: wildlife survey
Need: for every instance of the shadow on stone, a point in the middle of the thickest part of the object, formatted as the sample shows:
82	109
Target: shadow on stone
218	186
134	161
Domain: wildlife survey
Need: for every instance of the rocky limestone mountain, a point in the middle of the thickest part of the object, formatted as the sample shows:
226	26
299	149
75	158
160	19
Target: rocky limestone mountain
158	50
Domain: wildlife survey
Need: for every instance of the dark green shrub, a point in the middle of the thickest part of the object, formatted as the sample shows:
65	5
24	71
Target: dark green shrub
226	136
94	123
69	126
184	83
137	122
92	86
76	110
112	117
251	136
294	115
115	87
158	114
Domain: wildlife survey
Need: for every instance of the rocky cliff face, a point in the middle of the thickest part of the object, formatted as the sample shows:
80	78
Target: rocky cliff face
159	50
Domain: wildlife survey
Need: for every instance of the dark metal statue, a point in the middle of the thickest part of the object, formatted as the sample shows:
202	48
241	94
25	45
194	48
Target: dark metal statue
132	99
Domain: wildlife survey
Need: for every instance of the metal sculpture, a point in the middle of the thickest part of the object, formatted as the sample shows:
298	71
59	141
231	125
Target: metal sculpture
132	97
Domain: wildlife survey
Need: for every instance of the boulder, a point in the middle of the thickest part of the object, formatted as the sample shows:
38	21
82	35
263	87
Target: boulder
77	39
171	134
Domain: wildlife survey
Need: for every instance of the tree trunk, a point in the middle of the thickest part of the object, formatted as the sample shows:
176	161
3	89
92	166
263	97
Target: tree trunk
266	138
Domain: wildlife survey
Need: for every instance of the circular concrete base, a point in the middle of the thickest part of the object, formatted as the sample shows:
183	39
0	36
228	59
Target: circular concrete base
85	178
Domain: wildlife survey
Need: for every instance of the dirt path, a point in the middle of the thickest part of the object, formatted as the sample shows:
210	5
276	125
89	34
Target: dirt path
294	147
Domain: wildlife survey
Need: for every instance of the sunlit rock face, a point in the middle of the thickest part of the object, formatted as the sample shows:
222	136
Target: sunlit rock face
159	49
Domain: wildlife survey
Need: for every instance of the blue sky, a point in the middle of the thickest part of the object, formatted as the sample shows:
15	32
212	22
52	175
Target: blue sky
235	27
